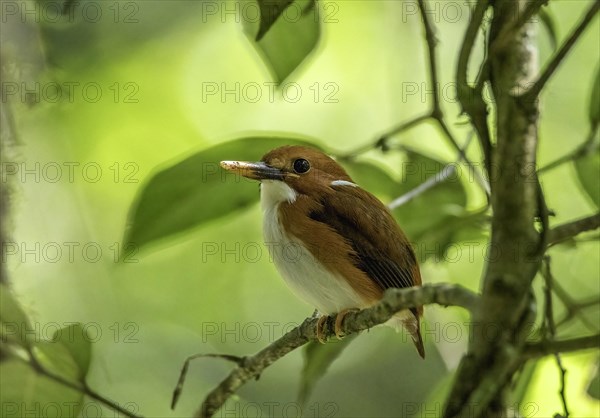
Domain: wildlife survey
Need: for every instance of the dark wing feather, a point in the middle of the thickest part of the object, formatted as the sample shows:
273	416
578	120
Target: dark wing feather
389	263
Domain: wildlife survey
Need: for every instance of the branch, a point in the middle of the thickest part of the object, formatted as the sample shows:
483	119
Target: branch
550	326
394	300
547	347
431	40
488	366
581	151
470	98
440	177
383	139
434	113
571	229
509	31
534	91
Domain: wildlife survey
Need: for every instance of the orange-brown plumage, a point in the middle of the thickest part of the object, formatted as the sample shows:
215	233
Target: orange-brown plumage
347	231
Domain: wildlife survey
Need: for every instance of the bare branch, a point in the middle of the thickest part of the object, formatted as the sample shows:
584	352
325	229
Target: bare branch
590	145
435	113
547	347
470	98
533	92
551	326
394	300
431	40
571	229
488	366
177	392
440	177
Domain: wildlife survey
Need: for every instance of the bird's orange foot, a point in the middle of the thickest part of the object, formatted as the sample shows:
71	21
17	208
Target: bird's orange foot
321	323
339	319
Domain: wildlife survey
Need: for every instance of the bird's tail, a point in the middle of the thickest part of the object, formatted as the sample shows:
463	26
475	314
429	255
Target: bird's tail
413	325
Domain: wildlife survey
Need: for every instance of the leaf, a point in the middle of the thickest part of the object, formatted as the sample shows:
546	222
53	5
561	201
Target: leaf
549	23
435	217
317	359
196	190
25	393
13	322
75	339
287	39
270	10
57	358
595	102
588	172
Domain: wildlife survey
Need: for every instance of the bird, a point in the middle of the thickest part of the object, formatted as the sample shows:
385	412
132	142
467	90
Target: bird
336	245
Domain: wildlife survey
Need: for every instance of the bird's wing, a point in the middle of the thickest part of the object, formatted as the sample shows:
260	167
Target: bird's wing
381	249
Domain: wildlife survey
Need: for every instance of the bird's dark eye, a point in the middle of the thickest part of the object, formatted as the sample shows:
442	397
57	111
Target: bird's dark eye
301	166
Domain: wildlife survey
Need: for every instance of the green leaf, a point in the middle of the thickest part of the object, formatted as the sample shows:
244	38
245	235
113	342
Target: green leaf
14	324
25	393
549	23
196	190
75	339
433	219
595	102
284	40
57	358
588	172
270	10
317	359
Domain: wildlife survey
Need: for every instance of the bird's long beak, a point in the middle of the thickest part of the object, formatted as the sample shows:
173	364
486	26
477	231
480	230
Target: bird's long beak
256	171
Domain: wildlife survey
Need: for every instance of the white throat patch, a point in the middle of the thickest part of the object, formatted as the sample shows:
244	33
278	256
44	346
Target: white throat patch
274	192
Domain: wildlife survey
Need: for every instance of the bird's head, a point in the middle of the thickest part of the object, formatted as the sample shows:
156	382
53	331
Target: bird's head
306	171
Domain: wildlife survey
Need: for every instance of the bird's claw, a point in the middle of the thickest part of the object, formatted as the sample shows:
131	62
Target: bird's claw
321	323
339	318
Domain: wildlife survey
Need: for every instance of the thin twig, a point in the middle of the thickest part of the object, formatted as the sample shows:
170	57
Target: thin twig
545	348
534	91
590	145
571	229
448	170
431	41
470	98
383	139
81	387
573	307
179	387
435	113
440	177
394	300
550	326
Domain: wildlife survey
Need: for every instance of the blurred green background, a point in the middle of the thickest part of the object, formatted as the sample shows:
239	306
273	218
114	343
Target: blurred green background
155	65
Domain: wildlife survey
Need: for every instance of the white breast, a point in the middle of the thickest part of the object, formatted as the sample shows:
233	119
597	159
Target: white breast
307	278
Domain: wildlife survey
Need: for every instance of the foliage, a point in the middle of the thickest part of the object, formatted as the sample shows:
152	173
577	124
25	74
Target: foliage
157	109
